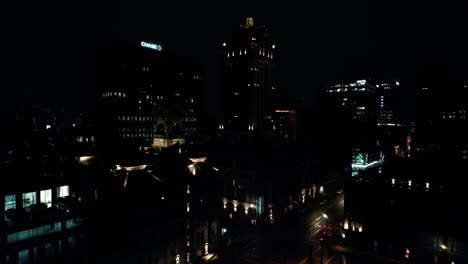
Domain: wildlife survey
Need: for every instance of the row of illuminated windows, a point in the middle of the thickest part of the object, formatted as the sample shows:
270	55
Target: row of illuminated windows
30	198
136	135
453	112
126	129
85	139
261	52
454	117
110	94
34	232
344	86
191	119
134	118
41	231
339	90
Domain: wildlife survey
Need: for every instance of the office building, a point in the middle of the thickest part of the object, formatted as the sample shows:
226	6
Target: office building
149	98
284	125
249	85
356	105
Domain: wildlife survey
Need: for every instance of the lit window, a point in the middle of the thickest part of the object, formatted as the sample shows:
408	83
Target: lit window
10	202
63	191
46	197
29	199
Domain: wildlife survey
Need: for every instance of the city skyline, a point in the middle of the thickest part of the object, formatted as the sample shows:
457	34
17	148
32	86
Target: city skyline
323	42
244	132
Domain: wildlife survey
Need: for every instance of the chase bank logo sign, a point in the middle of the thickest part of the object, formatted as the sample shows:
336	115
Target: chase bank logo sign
151	46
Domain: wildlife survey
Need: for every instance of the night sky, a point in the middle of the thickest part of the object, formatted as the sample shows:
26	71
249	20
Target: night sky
49	45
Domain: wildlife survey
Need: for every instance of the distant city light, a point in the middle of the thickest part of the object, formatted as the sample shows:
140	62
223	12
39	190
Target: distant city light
282	111
397	83
275	47
362	82
393	181
131	168
86	159
151	46
443	247
409	183
363	166
224	44
427	185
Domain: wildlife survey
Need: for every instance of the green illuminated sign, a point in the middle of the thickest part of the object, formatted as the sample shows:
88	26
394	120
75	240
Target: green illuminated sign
361	158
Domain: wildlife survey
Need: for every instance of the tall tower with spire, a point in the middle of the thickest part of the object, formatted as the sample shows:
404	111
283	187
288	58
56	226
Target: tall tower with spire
249	86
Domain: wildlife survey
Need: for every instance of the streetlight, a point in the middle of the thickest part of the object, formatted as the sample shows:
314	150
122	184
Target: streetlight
326	217
444	255
223	231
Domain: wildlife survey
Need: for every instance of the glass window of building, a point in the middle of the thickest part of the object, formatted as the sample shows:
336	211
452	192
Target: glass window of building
63	191
10	202
46	197
29	199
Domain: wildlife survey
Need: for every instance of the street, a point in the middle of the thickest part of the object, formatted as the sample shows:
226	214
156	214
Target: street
293	239
296	239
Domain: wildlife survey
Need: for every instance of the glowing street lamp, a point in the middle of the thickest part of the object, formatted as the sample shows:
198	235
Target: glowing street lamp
326	217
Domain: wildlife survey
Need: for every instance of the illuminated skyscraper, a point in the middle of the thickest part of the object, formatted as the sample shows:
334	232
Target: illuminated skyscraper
355	103
387	101
249	87
149	98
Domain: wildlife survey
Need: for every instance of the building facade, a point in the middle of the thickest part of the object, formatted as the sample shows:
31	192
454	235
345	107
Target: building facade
138	87
249	86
